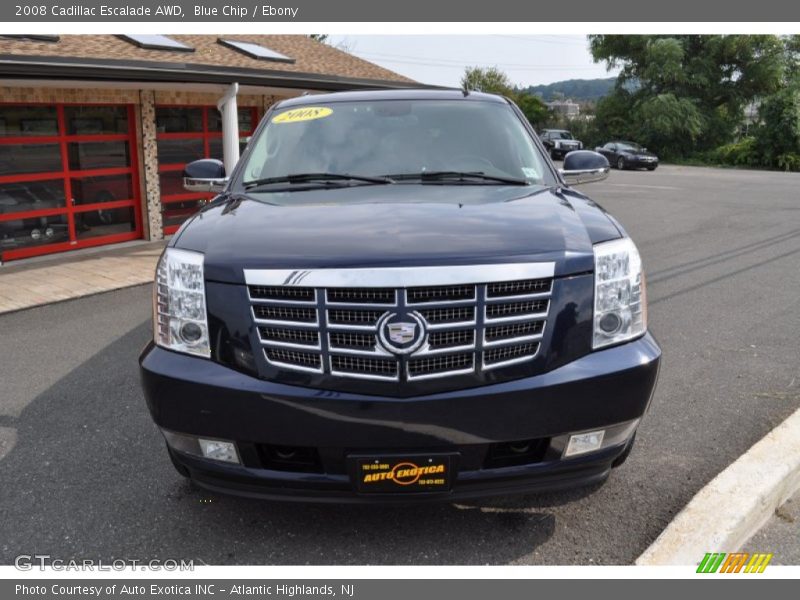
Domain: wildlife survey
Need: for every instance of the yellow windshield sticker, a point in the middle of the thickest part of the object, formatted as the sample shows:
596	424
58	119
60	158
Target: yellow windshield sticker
307	113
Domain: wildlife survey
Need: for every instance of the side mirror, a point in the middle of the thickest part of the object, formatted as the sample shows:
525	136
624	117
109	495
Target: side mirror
584	166
205	175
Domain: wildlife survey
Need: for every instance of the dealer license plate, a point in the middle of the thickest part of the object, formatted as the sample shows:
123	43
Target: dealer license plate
403	474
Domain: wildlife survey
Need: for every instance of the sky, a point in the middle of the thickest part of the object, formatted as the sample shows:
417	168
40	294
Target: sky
440	59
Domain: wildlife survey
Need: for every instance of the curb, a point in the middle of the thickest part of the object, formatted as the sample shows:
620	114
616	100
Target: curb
734	505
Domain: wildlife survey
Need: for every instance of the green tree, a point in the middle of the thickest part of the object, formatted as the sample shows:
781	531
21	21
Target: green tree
533	107
687	92
486	79
778	139
492	80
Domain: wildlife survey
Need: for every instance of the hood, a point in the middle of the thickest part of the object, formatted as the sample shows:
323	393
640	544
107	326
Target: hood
396	225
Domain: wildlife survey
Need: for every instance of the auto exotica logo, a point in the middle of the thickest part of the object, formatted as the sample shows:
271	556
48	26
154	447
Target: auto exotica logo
405	473
734	563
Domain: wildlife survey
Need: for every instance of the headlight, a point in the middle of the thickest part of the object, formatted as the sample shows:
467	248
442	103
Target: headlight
179	307
620	298
557	144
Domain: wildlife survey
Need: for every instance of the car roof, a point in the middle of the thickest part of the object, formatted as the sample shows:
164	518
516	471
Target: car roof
559	130
406	94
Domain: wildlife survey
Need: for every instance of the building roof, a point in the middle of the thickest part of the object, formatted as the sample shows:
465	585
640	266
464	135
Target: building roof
313	61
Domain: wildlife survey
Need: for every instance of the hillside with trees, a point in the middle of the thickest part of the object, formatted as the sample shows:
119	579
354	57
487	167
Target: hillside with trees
580	90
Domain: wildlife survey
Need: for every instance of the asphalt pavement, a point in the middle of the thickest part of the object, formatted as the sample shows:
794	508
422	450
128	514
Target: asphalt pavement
84	473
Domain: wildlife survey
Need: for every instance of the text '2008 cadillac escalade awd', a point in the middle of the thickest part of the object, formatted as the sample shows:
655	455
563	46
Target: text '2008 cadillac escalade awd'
397	297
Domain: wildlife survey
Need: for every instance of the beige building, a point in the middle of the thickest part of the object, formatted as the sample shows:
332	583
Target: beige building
95	129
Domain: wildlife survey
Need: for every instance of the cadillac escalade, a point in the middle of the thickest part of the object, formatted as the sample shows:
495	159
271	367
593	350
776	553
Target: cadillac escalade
396	296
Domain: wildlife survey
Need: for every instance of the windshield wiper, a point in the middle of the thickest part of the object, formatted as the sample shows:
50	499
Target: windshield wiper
459	176
312	177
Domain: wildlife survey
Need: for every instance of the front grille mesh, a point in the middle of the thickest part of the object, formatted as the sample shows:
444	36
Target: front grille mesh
433	365
378	367
467	328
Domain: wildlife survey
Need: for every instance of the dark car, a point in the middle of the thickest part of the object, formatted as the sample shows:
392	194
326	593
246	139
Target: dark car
628	155
397	297
559	142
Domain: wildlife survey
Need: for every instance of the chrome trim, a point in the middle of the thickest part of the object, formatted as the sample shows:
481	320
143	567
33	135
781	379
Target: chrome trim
514	318
536	296
578	177
428	351
454	324
196	184
400	277
507	363
295	367
280	344
363	376
512	341
410	377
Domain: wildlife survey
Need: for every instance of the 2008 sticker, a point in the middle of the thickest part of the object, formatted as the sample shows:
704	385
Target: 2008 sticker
307	113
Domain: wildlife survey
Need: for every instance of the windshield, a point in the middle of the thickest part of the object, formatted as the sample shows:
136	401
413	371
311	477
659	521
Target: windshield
629	146
562	135
388	138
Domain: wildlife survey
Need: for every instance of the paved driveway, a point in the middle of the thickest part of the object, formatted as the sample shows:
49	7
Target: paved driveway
84	473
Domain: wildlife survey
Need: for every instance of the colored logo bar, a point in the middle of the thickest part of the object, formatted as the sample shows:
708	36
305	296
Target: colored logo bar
735	562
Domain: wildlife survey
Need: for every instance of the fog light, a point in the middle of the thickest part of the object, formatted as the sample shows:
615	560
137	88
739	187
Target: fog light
581	443
218	450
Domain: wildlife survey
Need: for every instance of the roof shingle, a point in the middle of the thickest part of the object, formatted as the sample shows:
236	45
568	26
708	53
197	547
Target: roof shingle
310	56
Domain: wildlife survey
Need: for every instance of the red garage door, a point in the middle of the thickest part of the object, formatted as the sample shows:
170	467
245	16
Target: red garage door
185	134
68	178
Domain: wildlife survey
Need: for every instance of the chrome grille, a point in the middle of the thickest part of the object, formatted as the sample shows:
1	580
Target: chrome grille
446	293
293	359
462	314
361	296
468	327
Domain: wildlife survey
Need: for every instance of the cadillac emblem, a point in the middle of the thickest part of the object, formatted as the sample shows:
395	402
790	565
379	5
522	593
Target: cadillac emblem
401	333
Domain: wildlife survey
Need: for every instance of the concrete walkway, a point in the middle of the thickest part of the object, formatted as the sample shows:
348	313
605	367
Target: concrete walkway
38	281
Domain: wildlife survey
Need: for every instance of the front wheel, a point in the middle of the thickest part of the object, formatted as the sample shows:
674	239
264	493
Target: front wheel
651	168
621	163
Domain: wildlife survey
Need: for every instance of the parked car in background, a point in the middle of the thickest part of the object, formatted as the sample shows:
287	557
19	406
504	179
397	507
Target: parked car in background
558	142
628	155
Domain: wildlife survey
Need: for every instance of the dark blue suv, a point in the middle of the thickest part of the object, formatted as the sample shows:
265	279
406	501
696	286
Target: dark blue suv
397	297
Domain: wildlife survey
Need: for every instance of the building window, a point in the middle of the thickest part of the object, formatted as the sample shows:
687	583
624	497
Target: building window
68	178
184	134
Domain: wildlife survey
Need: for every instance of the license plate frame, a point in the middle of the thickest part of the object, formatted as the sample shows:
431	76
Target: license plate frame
405	474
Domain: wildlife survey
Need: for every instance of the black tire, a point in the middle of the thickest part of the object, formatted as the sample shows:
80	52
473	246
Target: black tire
621	163
182	470
625	453
553	155
651	168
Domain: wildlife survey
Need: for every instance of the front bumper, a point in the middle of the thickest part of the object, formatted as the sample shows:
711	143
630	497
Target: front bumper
640	163
198	397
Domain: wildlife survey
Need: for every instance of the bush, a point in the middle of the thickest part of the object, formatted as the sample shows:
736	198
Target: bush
744	153
789	161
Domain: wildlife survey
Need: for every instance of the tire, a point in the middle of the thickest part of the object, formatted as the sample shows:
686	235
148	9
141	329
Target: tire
651	168
553	155
625	454
621	163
